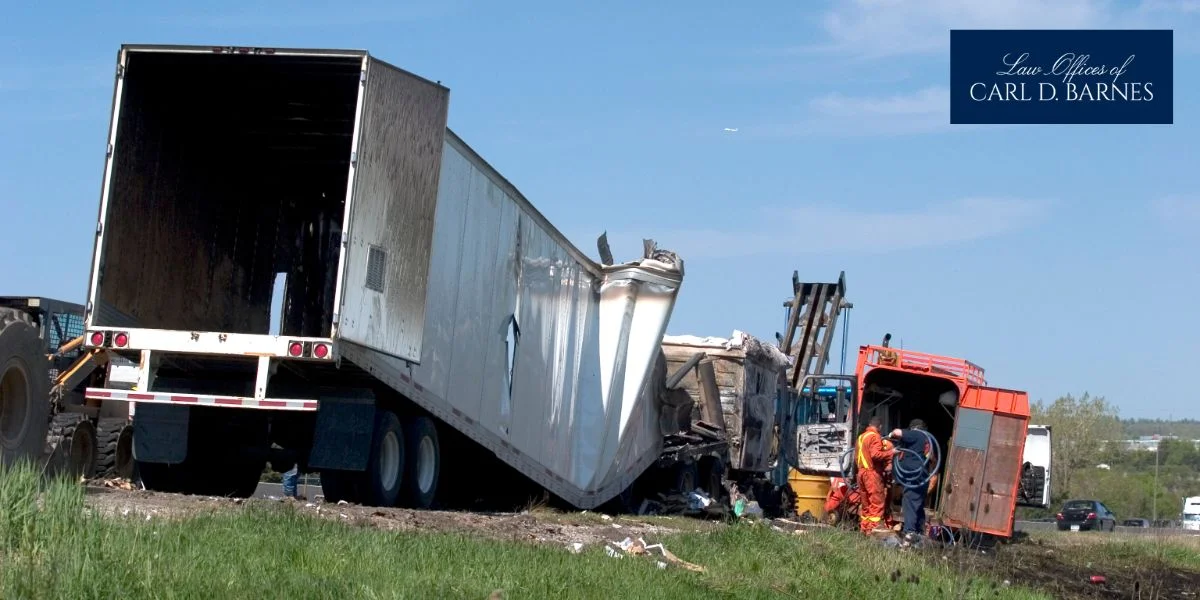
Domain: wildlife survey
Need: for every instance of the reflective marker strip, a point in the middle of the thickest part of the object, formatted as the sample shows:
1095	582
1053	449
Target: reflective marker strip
170	398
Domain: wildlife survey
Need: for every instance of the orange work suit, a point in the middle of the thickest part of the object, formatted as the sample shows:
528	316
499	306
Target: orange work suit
841	497
872	459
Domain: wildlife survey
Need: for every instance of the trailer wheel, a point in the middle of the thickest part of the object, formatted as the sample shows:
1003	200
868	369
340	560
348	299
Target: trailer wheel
157	477
385	469
712	476
423	463
687	475
337	485
24	389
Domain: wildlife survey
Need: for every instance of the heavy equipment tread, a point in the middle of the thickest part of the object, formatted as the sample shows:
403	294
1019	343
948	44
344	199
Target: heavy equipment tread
24	409
108	435
8	315
72	444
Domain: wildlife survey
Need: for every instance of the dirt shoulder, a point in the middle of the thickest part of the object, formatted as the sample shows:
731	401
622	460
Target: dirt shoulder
539	526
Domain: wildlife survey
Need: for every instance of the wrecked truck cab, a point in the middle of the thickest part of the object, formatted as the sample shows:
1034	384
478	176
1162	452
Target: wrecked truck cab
981	430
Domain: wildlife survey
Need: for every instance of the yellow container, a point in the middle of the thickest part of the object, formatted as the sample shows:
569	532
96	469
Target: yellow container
810	492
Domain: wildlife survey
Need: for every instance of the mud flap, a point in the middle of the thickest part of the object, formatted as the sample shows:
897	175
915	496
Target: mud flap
342	433
160	433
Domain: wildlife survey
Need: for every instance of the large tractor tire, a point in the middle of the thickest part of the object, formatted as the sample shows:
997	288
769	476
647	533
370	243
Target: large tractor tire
72	440
24	389
114	448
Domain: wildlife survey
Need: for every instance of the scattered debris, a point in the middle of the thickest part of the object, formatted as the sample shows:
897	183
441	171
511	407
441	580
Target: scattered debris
638	547
698	500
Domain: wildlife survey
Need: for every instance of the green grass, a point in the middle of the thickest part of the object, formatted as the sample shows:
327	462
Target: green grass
51	547
1126	550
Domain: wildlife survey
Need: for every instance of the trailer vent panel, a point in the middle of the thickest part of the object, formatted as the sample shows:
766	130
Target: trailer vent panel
376	267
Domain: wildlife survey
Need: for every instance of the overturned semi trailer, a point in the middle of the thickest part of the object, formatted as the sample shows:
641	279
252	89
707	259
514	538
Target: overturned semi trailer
308	267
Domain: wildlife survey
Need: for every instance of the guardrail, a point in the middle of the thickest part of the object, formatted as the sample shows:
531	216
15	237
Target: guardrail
1031	526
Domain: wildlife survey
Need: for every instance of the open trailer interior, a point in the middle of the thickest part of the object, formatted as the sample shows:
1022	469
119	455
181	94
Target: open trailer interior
228	189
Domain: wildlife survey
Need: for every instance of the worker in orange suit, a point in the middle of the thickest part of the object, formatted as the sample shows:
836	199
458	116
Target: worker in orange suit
872	459
889	487
842	500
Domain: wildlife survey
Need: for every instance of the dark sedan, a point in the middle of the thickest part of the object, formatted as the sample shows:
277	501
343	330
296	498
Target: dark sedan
1084	515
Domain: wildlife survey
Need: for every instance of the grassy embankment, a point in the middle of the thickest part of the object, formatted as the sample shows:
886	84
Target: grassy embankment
51	546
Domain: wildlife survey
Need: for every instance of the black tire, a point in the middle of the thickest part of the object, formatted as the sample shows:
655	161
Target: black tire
422	463
712	477
687	477
158	477
372	487
24	389
337	486
382	488
114	448
72	439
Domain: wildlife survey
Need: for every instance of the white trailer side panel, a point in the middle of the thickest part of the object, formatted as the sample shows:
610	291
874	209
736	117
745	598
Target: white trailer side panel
580	419
390	213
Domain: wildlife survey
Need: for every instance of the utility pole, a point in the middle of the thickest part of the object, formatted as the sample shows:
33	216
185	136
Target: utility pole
1154	499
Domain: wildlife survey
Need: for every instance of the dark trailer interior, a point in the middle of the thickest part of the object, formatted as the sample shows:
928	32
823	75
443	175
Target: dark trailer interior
228	191
898	397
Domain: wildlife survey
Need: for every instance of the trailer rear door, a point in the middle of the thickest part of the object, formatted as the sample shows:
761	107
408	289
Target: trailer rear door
983	466
396	168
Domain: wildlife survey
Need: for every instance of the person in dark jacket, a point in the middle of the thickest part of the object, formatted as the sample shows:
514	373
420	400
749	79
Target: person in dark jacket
913	447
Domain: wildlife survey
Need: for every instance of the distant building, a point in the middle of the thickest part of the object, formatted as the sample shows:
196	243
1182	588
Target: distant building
1149	443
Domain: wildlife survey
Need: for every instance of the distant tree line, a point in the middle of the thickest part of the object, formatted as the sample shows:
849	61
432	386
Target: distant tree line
1188	429
1085	464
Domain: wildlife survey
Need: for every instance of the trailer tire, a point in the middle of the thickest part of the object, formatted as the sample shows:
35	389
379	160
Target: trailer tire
157	477
385	469
422	463
337	485
712	477
687	477
381	482
24	389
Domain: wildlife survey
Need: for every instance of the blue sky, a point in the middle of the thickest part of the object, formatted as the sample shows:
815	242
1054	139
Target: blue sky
1062	259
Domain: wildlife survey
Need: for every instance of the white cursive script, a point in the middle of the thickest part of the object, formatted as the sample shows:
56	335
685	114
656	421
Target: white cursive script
1067	66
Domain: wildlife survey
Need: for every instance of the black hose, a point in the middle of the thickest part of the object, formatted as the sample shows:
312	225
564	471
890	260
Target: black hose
915	479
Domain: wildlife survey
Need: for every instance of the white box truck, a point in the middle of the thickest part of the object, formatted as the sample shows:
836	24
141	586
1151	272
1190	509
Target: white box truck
305	262
1190	516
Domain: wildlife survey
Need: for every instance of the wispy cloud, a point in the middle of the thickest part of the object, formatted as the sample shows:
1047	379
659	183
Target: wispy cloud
325	15
1177	209
57	77
926	110
842	230
871	29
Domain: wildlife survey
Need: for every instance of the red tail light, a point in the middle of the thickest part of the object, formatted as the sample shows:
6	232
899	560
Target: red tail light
1058	516
1091	515
295	349
121	340
97	338
321	350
